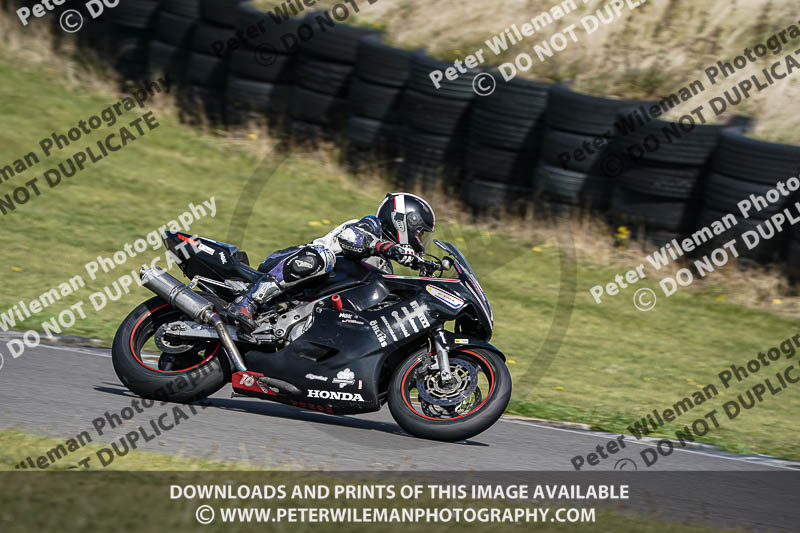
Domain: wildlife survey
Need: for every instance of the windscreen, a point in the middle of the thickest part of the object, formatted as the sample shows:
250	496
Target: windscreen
471	279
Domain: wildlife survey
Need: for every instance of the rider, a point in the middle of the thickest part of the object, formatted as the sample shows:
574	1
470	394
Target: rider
397	232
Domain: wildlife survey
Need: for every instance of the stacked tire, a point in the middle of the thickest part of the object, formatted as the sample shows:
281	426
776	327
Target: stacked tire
662	169
504	140
326	62
173	32
580	130
203	95
261	70
375	97
743	167
433	142
129	31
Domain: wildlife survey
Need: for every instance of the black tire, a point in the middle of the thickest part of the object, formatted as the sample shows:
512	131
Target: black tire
221	12
572	187
316	108
266	32
653	212
125	45
206	71
723	193
338	43
243	94
421	67
262	66
517	98
421	146
682	143
504	131
435	114
166	59
200	105
498	165
188	385
374	101
206	35
679	183
381	63
139	14
582	113
184	8
556	143
429	160
426	177
793	259
485	195
740	157
369	133
766	250
174	29
464	427
323	76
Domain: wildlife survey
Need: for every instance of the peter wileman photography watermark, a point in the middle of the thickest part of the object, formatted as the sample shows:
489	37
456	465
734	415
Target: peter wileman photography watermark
484	83
140	433
67	318
328	508
70	20
779	380
286	41
96	151
644	299
614	160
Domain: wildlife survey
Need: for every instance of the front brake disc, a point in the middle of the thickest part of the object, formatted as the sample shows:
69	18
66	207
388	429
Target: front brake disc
465	380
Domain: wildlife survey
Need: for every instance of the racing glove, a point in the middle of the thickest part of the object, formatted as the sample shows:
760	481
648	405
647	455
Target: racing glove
397	252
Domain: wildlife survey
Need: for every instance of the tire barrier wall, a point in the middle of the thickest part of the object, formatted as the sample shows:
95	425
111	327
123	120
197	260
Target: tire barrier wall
316	77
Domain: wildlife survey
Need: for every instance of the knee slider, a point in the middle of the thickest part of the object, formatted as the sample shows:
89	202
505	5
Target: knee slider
306	262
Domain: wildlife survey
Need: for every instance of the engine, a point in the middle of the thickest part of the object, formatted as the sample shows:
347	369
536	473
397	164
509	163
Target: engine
288	325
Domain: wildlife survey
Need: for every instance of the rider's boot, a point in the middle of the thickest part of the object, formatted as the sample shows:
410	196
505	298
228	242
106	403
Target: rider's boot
245	307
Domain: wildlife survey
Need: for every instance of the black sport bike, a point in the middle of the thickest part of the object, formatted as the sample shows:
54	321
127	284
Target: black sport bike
343	344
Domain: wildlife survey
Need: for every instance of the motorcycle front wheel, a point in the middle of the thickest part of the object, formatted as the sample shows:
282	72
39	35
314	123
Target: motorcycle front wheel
471	403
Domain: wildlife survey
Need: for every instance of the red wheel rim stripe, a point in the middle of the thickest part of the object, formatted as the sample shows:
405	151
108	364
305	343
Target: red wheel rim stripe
405	399
133	351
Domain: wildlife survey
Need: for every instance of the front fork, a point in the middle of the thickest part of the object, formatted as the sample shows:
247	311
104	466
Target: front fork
442	355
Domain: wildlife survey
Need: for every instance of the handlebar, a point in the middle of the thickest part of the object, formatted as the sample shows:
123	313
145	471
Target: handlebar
428	268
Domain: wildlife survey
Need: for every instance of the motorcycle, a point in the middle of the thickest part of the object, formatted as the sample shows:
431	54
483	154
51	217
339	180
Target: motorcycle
345	343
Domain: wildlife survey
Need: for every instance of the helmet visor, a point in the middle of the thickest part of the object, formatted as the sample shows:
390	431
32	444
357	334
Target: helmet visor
420	239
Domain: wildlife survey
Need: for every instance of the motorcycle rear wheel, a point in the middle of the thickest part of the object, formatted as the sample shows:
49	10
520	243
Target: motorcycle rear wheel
182	379
475	414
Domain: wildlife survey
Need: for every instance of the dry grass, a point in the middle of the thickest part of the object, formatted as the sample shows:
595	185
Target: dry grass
649	52
35	46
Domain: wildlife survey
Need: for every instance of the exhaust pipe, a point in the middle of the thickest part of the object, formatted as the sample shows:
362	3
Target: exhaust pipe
198	308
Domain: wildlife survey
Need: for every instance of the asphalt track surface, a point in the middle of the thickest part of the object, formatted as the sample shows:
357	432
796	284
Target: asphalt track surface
59	390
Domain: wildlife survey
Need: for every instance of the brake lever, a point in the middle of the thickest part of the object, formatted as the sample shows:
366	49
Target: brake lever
427	268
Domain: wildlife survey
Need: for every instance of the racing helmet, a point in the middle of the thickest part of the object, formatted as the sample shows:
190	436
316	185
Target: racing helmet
406	219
